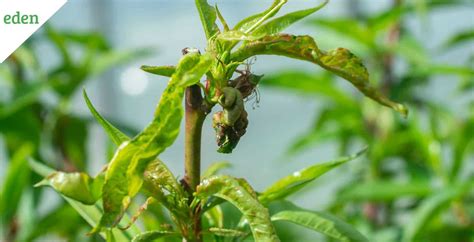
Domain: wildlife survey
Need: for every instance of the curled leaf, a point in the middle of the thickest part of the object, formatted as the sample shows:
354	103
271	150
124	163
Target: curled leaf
339	61
124	176
77	186
230	189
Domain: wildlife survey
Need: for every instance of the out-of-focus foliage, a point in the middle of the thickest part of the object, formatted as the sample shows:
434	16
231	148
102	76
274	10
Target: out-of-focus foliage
419	184
36	122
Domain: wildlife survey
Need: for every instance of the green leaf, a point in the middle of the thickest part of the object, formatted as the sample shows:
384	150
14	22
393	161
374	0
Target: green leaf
229	189
460	38
153	235
208	17
384	191
114	134
90	213
215	167
339	61
78	186
294	182
322	222
159	70
16	179
221	18
276	25
26	95
250	23
227	232
432	206
123	179
163	186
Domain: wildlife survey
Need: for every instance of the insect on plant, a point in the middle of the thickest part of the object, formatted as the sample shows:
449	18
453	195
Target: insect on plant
194	204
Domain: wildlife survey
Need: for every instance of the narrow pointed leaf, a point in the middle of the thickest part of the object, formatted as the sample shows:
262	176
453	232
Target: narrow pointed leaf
294	182
16	180
339	61
159	70
277	25
78	186
229	189
252	22
124	176
114	134
324	223
221	18
208	17
431	207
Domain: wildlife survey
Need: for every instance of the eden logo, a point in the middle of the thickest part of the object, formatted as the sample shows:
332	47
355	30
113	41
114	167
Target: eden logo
19	18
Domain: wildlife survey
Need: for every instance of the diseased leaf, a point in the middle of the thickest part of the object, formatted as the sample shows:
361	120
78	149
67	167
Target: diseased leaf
90	213
163	186
339	61
229	189
431	207
153	235
227	232
159	70
276	25
78	186
215	167
114	134
294	182
324	223
123	179
208	17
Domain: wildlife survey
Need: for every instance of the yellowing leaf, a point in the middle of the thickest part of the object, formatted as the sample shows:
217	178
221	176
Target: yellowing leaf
339	61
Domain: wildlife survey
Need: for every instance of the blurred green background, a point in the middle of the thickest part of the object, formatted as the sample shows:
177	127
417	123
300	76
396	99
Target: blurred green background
414	184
